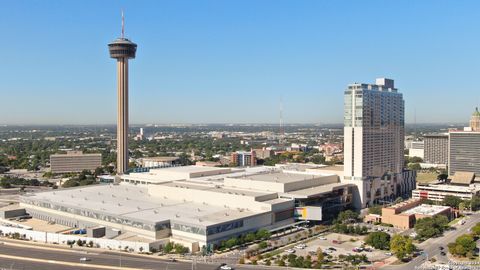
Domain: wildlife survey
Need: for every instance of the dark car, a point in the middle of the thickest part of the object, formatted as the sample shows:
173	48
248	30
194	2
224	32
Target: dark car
441	248
443	253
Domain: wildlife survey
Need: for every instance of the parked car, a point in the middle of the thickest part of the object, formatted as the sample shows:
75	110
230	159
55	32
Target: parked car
300	246
291	250
322	238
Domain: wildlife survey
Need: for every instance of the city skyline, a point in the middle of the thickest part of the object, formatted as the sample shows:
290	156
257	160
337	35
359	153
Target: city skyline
195	68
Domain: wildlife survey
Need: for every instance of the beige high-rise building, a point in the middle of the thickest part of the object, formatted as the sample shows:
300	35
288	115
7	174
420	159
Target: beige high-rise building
122	49
475	120
373	143
436	148
74	161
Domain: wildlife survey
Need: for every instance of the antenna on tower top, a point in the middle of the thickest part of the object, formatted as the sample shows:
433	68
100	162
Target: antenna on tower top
123	25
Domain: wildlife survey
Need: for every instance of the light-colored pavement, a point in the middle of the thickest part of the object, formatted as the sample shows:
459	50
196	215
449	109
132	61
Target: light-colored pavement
345	246
13	254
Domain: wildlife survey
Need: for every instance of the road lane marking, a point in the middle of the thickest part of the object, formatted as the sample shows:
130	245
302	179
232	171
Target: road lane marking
97	266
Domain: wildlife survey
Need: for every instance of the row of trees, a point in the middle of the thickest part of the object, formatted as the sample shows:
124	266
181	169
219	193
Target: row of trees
261	234
402	246
300	261
172	247
8	182
84	178
350	229
458	203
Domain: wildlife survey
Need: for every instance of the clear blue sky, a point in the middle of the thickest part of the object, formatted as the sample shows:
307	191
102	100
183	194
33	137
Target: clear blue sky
232	61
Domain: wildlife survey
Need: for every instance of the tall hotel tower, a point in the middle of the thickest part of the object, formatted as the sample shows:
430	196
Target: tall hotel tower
122	49
374	141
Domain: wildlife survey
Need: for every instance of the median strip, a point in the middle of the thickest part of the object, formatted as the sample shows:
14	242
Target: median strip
96	266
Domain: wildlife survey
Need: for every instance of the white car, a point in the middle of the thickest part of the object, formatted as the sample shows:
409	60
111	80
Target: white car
388	254
225	267
322	238
85	259
291	250
301	246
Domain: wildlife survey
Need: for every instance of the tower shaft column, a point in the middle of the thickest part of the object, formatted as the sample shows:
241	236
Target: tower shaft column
122	115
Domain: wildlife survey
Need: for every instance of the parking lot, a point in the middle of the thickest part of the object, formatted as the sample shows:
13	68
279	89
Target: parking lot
335	244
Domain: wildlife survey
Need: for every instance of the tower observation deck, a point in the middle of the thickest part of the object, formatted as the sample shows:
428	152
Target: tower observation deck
122	49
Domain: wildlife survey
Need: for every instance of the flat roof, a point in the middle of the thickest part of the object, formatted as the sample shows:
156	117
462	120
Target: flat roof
134	202
330	168
426	209
449	188
217	188
280	177
318	190
77	155
189	169
160	158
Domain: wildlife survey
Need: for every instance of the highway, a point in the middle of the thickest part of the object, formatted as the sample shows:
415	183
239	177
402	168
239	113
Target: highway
33	257
431	246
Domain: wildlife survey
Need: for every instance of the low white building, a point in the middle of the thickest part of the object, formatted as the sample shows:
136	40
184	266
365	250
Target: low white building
462	185
194	205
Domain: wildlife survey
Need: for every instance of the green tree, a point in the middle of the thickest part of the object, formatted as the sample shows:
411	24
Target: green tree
463	246
431	227
401	246
180	249
263	234
98	171
263	245
347	216
476	230
377	210
5	184
442	177
320	256
475	203
461	207
168	247
70	183
452	201
414	166
378	240
231	242
250	237
415	160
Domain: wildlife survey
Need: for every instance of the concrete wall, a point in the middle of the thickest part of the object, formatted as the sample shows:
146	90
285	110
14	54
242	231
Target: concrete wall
63	238
12	213
308	181
81	221
214	198
399	221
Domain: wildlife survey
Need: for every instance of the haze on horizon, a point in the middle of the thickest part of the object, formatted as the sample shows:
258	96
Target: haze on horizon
232	61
